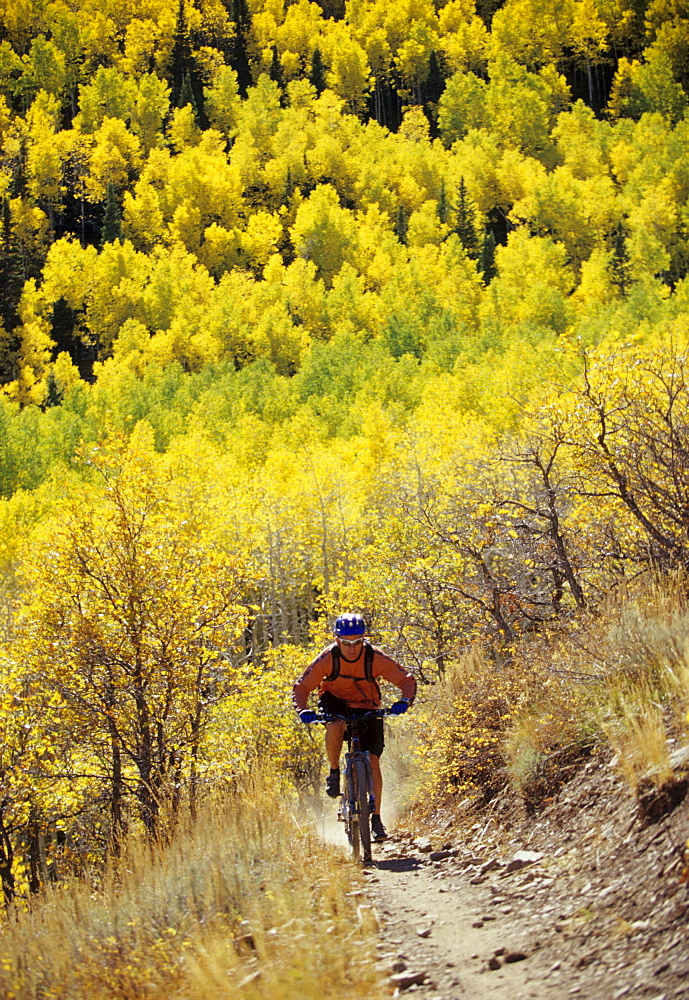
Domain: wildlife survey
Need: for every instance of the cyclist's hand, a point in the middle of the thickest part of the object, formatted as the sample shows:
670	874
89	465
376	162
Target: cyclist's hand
399	708
307	716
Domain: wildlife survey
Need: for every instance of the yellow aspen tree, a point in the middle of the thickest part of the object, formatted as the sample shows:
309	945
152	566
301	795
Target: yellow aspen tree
324	232
116	154
463	36
222	101
349	74
35	350
151	106
134	623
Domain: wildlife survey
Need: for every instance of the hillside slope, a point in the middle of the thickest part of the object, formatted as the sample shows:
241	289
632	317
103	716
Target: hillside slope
597	908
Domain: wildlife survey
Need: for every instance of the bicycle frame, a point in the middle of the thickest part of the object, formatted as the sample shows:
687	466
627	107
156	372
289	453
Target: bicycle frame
357	803
358	798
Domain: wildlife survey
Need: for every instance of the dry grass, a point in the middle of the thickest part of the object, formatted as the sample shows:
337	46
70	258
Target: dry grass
620	679
246	903
643	714
635	727
523	720
524	751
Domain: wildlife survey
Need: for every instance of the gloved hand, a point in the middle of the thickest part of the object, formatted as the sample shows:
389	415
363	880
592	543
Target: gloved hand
306	715
399	708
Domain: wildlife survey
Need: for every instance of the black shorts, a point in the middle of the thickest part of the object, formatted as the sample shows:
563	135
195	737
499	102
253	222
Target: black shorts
370	732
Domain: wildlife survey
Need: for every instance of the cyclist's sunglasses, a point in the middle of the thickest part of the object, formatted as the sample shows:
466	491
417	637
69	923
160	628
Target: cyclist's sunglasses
352	642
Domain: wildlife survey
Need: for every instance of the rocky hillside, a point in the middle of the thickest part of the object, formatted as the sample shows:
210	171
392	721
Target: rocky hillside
587	899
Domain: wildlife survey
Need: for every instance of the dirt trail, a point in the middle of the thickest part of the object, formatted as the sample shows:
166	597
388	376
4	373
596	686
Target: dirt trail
585	901
428	916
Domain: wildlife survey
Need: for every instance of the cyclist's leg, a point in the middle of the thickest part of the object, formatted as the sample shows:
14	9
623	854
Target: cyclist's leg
334	738
373	740
334	731
377	781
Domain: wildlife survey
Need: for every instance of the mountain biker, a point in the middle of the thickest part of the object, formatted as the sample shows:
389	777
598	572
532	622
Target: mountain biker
345	674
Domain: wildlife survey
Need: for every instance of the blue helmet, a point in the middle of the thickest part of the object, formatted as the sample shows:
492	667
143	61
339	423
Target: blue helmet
349	624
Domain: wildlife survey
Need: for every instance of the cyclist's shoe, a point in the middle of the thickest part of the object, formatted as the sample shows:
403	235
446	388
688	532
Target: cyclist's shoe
377	828
332	784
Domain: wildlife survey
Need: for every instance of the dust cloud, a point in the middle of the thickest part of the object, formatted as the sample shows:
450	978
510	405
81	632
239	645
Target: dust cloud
398	786
328	826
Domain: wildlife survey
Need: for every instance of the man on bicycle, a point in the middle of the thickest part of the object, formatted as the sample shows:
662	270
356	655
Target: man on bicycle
346	676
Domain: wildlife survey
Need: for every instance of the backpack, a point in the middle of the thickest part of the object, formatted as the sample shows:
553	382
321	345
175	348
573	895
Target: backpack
368	663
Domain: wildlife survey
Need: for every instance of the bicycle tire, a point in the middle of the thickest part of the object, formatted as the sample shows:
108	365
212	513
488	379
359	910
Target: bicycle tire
349	810
361	786
354	836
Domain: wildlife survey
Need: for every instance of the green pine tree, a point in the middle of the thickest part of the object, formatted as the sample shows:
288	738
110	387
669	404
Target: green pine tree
465	227
11	283
12	274
53	394
241	16
620	259
187	84
487	257
435	82
317	74
111	230
186	96
401	224
275	72
289	187
181	56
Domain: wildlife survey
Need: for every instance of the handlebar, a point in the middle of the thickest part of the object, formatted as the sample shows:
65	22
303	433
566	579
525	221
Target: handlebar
374	713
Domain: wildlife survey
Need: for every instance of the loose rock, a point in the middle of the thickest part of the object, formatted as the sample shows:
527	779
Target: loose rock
404	980
489	866
521	859
443	855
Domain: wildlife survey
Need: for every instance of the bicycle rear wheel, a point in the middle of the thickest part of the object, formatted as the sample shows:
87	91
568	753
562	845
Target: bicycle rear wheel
364	831
352	821
354	836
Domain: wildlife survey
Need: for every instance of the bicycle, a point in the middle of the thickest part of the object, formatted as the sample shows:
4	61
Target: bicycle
357	798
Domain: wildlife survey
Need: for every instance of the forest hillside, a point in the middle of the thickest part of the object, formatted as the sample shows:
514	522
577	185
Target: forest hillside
315	306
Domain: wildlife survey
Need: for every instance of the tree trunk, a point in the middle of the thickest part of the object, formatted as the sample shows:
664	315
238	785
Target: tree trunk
6	863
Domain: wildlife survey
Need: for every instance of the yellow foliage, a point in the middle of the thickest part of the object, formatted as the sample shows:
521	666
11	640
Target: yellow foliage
360	402
461	729
36	349
260	239
115	154
184	132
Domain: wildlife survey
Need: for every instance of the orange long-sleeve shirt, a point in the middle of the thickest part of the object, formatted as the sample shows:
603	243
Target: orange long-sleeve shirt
351	685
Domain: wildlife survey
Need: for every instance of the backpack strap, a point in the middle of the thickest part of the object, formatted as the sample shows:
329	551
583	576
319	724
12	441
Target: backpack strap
335	672
368	661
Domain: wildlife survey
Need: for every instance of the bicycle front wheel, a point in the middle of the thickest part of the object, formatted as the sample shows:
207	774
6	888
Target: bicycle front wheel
350	811
361	785
352	821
